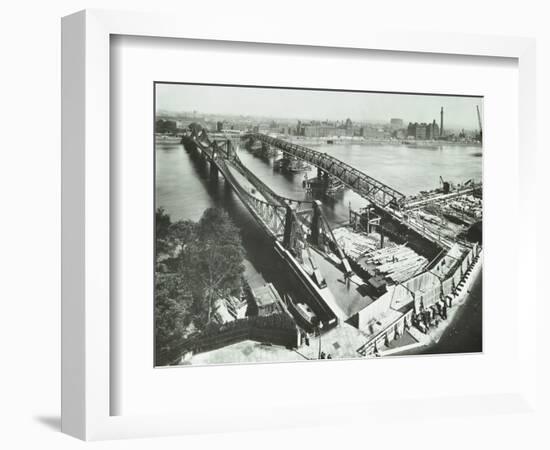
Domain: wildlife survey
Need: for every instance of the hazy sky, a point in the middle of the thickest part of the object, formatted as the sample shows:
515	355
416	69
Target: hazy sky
460	112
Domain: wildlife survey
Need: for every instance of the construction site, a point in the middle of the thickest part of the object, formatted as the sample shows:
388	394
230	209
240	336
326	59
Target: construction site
399	298
415	269
384	276
387	281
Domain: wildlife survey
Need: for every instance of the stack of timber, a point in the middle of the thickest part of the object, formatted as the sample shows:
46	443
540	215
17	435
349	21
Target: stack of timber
356	244
395	264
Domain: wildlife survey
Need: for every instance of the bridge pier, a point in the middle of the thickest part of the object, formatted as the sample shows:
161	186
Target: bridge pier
316	235
229	148
323	176
213	166
213	171
288	237
200	159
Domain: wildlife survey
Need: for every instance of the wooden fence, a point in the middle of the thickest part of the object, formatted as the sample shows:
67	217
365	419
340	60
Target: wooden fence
277	329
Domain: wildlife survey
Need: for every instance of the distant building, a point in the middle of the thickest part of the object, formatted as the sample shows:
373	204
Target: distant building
420	131
423	131
432	132
299	129
372	132
219	126
396	124
320	131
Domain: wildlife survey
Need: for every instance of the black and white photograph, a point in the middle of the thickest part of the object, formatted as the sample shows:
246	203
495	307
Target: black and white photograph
305	224
285	226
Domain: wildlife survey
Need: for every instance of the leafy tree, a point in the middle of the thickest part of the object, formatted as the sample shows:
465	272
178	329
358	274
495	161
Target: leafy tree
205	260
215	261
165	126
181	233
162	223
162	227
173	302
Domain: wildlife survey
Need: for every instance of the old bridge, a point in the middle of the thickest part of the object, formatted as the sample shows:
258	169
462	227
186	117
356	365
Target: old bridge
376	192
385	199
300	232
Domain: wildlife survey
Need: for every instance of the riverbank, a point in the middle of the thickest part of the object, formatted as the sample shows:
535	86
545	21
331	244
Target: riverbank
373	142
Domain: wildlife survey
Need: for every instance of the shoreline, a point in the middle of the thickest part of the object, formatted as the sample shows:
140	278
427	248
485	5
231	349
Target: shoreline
405	143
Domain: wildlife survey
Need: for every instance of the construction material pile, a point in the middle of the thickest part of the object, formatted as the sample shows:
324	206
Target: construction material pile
356	244
396	264
435	227
466	208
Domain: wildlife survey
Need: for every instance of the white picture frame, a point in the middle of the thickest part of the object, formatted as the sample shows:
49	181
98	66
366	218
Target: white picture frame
86	217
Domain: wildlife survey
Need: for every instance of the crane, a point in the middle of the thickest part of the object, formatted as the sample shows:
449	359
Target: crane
479	122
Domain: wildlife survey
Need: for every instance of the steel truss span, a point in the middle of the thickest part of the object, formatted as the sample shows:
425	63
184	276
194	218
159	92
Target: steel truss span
367	187
279	216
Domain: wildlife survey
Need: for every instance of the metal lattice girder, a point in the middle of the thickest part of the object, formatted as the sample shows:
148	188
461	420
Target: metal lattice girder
271	213
373	190
271	216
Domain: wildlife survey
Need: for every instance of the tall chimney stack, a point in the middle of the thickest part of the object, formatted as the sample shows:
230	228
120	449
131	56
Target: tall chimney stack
441	126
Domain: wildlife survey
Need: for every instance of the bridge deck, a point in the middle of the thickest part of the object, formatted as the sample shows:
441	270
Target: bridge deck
389	200
369	188
343	298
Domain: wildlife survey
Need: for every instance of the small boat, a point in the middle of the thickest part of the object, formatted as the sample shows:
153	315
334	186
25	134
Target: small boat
256	147
297	165
302	313
330	187
280	164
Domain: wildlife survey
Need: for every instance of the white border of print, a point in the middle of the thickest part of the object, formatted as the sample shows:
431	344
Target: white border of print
86	226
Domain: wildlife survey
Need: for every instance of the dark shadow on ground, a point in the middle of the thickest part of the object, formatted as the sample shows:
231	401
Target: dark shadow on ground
52	422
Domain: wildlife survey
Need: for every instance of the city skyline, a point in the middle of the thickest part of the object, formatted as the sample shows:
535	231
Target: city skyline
300	104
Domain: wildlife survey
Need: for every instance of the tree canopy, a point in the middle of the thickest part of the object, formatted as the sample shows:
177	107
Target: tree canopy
162	226
202	262
165	126
215	259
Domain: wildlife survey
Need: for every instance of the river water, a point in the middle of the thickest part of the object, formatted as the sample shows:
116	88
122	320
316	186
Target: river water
184	190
